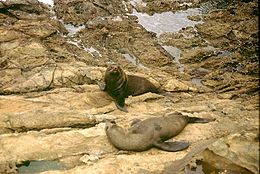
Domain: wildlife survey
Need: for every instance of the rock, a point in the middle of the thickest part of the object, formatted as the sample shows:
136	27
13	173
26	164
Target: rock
179	165
235	148
197	54
61	75
214	29
121	37
52	110
36	112
38	119
8	168
89	158
115	164
78	13
187	38
175	85
30	6
240	34
7	35
226	96
35	145
39	29
152	7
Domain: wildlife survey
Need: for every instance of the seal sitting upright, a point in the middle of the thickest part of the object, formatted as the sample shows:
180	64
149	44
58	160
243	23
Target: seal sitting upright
119	85
151	132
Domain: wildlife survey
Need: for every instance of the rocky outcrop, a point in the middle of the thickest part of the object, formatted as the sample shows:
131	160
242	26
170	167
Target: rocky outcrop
32	48
224	44
53	112
232	149
152	7
80	12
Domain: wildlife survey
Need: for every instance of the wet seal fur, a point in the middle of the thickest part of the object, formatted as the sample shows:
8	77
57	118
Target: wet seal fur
152	132
119	85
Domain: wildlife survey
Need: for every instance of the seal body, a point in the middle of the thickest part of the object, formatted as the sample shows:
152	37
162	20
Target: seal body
127	140
151	132
119	85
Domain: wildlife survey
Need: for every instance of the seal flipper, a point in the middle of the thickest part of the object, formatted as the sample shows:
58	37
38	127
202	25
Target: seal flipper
102	86
199	120
121	108
172	146
120	104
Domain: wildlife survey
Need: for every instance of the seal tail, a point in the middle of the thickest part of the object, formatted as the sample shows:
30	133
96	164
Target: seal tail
199	120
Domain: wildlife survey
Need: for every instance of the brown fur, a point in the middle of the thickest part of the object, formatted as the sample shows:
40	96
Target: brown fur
119	85
145	134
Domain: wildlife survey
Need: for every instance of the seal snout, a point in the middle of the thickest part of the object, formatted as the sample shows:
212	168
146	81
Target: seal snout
114	69
110	124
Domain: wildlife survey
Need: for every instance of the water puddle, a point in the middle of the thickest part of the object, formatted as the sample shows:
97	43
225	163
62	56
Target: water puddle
49	2
69	27
133	60
72	40
34	167
90	50
224	53
176	53
207	168
198	75
117	19
135	2
72	29
167	21
197	81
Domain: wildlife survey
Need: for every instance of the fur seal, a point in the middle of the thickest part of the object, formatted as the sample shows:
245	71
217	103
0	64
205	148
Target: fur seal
119	85
152	132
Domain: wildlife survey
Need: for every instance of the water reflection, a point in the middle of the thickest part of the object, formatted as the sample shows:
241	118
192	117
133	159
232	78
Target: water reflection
224	53
135	2
73	29
90	50
203	167
50	2
133	60
176	53
34	167
167	21
197	81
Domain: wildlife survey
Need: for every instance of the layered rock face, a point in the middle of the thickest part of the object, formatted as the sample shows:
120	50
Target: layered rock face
53	114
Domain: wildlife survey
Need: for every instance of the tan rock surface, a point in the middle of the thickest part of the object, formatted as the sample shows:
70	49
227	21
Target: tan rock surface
52	110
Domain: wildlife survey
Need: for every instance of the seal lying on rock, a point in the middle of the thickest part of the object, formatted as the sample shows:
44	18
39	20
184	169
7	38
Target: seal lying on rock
119	85
151	132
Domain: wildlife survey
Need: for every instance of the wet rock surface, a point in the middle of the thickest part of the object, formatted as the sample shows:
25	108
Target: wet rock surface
52	112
